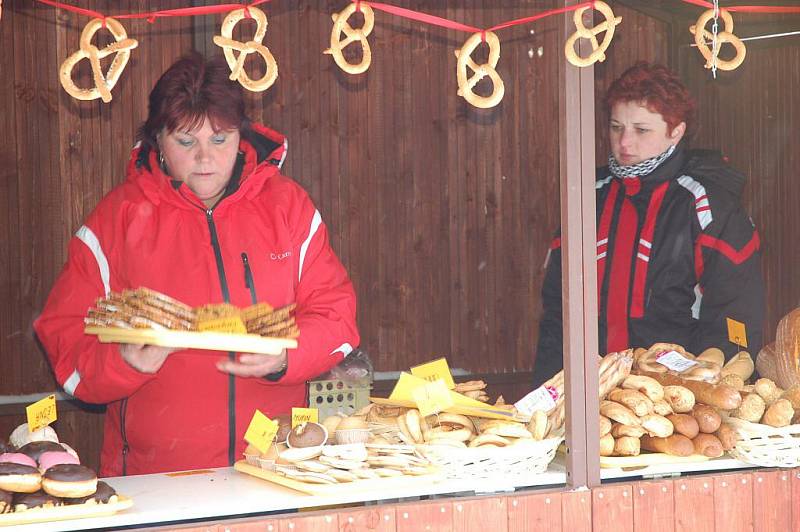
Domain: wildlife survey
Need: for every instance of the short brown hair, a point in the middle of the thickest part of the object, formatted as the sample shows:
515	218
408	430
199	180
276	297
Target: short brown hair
659	89
190	90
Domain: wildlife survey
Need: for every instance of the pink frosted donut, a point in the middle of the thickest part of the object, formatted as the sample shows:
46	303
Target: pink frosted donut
51	458
17	458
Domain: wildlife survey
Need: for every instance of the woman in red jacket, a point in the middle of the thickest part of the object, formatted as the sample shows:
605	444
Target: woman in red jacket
205	216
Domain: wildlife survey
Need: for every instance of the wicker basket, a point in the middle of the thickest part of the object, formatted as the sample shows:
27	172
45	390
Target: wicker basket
766	446
512	464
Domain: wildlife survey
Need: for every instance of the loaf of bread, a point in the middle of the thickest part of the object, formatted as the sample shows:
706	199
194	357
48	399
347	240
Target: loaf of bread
675	445
685	424
717	395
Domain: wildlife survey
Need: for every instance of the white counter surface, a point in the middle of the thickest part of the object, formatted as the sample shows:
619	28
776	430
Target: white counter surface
224	492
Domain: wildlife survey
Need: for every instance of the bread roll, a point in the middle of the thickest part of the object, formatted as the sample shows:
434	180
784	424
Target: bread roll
779	414
646	385
751	409
768	390
662	408
793	396
618	431
717	395
627	446
685	424
707	418
607	445
679	398
707	445
657	426
605	426
741	364
733	380
636	401
713	354
675	445
619	413
727	436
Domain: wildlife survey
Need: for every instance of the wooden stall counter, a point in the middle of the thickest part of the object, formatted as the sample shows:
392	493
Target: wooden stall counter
217	494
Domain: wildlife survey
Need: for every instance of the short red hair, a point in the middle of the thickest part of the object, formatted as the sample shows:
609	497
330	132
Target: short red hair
189	91
658	89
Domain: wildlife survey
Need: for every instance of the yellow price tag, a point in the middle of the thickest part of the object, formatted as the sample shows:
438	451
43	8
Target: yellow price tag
231	324
304	415
261	432
432	397
41	413
432	371
737	333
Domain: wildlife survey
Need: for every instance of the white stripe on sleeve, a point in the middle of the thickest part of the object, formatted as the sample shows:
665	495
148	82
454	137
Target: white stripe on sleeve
72	382
90	239
316	221
345	348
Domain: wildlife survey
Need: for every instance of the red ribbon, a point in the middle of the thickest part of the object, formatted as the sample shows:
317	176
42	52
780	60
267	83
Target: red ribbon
746	9
153	15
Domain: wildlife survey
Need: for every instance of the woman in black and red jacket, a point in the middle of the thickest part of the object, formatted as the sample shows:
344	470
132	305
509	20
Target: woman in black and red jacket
676	252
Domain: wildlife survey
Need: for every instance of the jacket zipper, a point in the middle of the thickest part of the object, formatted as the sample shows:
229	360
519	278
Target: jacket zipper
123	407
248	279
212	228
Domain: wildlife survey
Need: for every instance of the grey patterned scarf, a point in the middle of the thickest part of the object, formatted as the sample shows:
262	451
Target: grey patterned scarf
640	169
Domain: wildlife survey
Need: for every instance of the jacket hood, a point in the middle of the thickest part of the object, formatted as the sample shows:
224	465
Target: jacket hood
709	166
262	152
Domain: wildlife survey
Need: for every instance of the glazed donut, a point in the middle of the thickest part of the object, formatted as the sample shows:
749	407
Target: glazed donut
53	458
19	478
35	449
103	495
38	499
69	480
17	458
21	435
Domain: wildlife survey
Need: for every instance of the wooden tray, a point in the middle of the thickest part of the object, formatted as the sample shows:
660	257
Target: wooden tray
357	486
61	513
239	343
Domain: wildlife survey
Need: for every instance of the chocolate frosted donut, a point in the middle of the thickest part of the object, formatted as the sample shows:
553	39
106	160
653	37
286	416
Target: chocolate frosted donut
103	495
5	501
26	501
69	480
19	478
35	449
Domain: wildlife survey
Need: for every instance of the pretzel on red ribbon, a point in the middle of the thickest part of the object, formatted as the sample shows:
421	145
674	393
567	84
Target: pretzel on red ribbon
340	25
703	36
236	64
122	47
466	84
582	32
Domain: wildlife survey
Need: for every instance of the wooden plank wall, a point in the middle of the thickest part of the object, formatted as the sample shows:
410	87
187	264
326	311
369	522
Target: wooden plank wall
752	115
760	501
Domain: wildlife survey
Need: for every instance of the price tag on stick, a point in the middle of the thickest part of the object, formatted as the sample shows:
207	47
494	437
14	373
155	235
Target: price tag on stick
261	432
41	413
432	398
737	333
304	415
437	369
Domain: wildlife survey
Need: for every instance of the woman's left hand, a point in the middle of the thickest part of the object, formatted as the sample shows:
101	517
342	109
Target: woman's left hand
253	365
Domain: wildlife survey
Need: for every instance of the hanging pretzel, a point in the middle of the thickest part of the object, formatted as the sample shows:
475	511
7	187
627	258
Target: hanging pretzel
236	64
466	84
122	47
702	36
340	25
582	32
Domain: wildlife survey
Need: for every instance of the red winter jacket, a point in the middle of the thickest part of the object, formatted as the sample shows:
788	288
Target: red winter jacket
154	232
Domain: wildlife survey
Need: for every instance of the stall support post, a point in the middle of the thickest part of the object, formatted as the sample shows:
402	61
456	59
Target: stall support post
579	270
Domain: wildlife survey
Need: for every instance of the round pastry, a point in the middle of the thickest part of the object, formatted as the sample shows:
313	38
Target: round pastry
19	478
53	458
69	480
307	435
352	429
37	499
17	458
35	449
284	427
5	501
22	436
103	495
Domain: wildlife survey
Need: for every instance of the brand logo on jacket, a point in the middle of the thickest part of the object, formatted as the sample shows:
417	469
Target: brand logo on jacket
280	256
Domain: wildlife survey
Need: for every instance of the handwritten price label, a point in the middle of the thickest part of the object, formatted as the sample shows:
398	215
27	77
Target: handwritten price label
41	413
304	415
261	432
542	398
231	324
432	398
433	371
675	361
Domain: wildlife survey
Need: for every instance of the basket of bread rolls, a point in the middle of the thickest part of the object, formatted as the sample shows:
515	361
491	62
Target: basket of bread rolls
755	420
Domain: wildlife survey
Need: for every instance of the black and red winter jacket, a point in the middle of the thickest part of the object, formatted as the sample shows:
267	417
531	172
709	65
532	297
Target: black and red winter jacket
676	255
